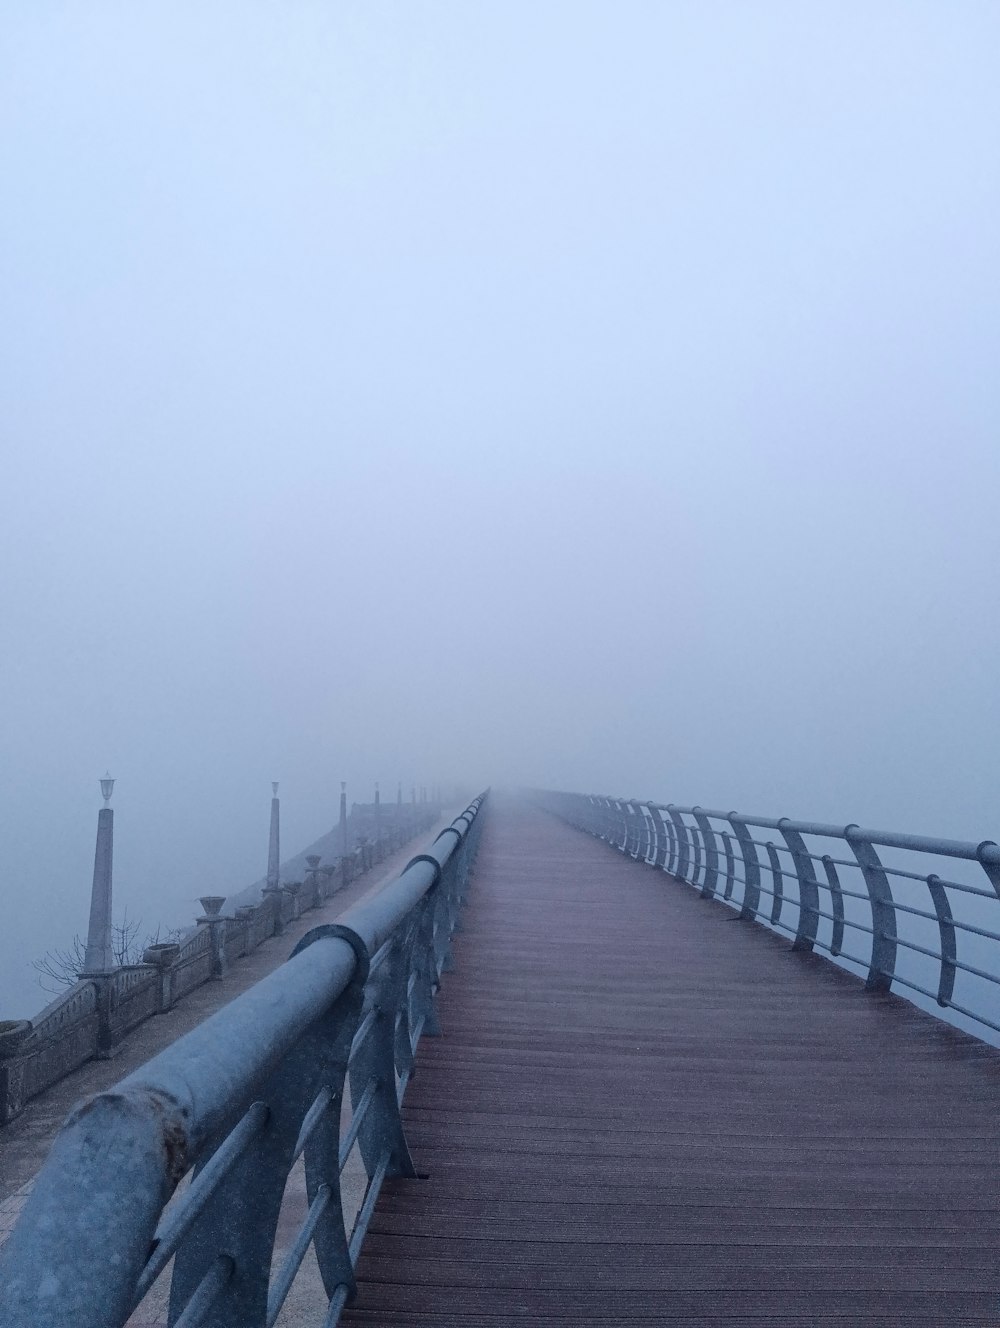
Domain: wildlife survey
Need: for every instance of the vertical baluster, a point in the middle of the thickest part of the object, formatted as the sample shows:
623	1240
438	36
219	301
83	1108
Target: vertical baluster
836	904
682	856
673	845
805	936
257	1180
727	844
621	827
711	853
883	960
661	835
637	822
751	867
779	891
609	821
946	930
646	833
988	856
381	1134
695	839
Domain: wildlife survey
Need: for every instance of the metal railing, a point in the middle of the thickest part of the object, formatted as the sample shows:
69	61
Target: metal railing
825	884
235	1103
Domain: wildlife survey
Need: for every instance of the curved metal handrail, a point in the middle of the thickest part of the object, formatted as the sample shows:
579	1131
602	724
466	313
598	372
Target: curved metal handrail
804	890
234	1103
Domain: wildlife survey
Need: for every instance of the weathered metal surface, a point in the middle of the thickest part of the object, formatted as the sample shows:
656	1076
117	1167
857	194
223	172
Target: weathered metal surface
94	1219
641	1112
93	1017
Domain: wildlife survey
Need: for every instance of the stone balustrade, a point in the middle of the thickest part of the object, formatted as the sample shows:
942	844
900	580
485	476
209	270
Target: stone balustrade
91	1019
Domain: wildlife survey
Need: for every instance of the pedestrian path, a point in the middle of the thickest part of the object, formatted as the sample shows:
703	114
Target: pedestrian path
644	1110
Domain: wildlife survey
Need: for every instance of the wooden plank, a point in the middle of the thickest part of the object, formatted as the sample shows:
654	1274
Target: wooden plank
640	1112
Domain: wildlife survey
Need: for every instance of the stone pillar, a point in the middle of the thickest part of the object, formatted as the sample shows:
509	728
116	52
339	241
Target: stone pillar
343	817
14	1036
163	956
212	904
273	843
272	890
293	892
245	915
365	847
100	956
314	896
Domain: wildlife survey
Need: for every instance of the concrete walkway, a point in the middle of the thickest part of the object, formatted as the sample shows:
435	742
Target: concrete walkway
25	1142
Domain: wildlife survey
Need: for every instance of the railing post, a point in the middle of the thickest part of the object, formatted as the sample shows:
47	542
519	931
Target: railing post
609	821
711	853
694	838
621	826
727	844
883	960
14	1036
836	904
212	904
645	831
104	990
423	981
805	935
680	868
162	957
751	867
661	835
673	849
632	818
240	1218
988	857
381	1135
593	817
293	892
778	897
273	893
946	930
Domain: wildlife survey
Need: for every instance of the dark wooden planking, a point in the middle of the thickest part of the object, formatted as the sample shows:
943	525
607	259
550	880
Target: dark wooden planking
641	1112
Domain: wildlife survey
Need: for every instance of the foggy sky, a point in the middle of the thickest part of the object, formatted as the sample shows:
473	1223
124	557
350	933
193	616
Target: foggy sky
592	395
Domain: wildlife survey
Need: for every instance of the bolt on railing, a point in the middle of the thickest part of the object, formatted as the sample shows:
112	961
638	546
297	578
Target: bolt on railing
235	1103
815	895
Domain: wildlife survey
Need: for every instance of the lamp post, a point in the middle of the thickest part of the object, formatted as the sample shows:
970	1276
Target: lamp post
99	956
343	817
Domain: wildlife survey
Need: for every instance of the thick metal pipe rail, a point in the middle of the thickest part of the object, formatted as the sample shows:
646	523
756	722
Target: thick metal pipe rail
684	842
237	1100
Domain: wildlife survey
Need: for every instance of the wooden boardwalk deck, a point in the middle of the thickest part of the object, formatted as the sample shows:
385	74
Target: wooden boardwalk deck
644	1111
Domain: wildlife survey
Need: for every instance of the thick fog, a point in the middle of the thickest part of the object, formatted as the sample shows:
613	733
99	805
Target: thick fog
599	396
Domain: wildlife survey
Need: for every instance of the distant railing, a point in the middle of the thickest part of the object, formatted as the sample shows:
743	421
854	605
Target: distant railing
941	931
93	1016
236	1102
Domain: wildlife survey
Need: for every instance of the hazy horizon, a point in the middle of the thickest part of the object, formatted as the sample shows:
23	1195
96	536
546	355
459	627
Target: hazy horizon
588	396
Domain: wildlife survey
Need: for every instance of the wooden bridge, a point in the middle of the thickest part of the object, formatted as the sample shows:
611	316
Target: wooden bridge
642	1110
643	1106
